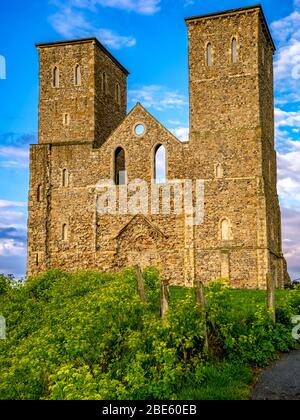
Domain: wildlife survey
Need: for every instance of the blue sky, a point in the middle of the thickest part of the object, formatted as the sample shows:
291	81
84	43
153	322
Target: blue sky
149	37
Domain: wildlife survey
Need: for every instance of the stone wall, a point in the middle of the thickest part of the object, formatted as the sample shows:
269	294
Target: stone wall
231	148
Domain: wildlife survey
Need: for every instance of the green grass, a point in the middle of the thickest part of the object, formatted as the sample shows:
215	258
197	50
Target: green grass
224	381
240	302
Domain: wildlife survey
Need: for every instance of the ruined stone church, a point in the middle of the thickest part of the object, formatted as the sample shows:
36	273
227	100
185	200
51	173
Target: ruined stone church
85	134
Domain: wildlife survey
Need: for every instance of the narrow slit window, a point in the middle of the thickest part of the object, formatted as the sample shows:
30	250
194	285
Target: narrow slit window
65	178
219	171
64	232
55	75
120	167
209	55
234	51
66	119
160	164
78	76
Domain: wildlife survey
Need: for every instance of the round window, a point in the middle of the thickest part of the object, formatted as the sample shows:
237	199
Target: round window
139	129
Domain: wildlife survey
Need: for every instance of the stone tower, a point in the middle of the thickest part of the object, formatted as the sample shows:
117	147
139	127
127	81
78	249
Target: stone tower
85	135
83	92
232	135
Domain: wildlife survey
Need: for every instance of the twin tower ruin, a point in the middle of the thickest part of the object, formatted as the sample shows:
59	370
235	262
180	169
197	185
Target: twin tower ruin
85	135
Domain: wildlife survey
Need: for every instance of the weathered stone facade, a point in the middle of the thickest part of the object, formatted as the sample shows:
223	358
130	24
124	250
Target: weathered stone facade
231	148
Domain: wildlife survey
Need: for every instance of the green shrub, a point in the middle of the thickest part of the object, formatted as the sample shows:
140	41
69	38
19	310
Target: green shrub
89	336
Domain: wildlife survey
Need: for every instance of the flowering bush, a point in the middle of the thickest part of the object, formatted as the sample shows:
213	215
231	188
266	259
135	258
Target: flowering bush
89	336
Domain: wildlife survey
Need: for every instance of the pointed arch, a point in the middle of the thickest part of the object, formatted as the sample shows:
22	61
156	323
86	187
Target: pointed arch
234	51
209	58
77	75
160	164
120	166
55	77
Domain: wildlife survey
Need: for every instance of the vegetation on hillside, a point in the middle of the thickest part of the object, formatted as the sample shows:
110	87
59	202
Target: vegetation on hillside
89	336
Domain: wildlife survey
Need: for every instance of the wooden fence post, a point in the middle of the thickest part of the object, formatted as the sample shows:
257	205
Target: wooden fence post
201	302
140	283
271	296
164	299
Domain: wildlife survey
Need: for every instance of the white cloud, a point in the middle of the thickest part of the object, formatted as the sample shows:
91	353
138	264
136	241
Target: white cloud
70	24
13	219
188	3
182	133
5	203
289	175
13	214
174	122
13	228
10	247
143	7
12	156
287	64
114	40
72	21
73	24
287	118
157	97
287	59
10	151
291	240
287	28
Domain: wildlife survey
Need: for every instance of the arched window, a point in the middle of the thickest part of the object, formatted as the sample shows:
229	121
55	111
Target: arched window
233	51
118	94
219	171
209	55
64	232
120	167
65	178
77	76
160	164
39	194
226	234
55	78
104	83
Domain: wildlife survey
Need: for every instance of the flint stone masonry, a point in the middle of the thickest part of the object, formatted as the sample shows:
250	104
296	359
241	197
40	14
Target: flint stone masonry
231	148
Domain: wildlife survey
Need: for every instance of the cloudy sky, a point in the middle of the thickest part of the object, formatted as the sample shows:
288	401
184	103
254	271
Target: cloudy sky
149	37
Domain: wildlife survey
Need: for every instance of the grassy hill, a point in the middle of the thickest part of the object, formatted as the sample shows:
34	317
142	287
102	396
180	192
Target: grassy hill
89	336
